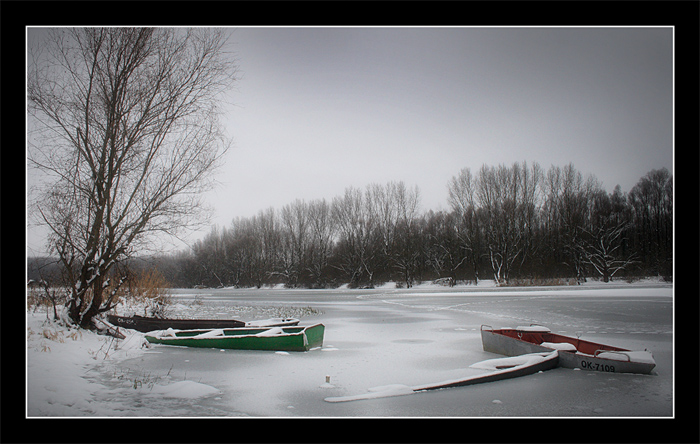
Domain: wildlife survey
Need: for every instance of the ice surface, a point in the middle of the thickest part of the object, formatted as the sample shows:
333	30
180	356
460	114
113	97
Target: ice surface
384	338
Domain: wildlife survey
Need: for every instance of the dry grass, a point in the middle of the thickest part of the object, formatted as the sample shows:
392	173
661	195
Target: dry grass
151	290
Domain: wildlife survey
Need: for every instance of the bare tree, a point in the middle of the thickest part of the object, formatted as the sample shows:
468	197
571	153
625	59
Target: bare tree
651	200
357	248
404	250
568	198
256	245
462	198
444	249
296	240
125	123
605	236
508	198
323	230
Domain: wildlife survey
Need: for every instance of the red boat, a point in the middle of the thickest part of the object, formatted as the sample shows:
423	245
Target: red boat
573	352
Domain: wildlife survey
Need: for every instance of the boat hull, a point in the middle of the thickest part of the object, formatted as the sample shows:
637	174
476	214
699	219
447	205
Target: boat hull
146	324
531	364
591	356
284	339
550	360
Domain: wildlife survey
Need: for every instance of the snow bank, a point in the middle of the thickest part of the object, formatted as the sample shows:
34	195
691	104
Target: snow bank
64	367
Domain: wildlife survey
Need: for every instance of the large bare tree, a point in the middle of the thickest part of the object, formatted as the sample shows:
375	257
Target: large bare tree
124	124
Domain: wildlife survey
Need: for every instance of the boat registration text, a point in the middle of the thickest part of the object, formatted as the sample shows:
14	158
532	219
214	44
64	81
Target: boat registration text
597	366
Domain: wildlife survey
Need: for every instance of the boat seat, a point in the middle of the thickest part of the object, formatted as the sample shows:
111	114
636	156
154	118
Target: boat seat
637	356
210	334
563	346
271	332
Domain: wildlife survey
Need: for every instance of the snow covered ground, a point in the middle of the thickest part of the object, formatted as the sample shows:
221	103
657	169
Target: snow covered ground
374	338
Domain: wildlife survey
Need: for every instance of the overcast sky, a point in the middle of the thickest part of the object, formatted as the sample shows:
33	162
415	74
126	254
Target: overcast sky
321	109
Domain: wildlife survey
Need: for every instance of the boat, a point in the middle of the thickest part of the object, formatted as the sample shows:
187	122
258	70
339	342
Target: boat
573	352
504	368
145	324
294	338
273	322
523	365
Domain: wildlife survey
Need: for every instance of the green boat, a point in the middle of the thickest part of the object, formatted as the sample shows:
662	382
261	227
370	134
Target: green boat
268	338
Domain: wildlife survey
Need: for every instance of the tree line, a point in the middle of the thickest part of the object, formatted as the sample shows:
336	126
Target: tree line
507	223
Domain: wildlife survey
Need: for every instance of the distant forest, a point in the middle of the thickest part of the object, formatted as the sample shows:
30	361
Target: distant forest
515	224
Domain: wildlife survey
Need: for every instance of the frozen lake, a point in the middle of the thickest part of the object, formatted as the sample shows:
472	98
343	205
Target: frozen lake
417	336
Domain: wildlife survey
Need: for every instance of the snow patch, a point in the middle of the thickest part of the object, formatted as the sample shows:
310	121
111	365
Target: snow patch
184	389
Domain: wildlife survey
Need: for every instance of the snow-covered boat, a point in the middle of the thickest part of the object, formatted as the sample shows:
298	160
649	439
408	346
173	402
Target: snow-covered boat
506	368
145	324
498	370
249	338
273	322
573	352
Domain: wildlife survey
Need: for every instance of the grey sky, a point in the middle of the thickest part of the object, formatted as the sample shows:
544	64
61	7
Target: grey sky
319	110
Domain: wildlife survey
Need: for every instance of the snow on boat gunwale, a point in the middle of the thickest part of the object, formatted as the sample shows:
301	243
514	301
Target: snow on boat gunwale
264	338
